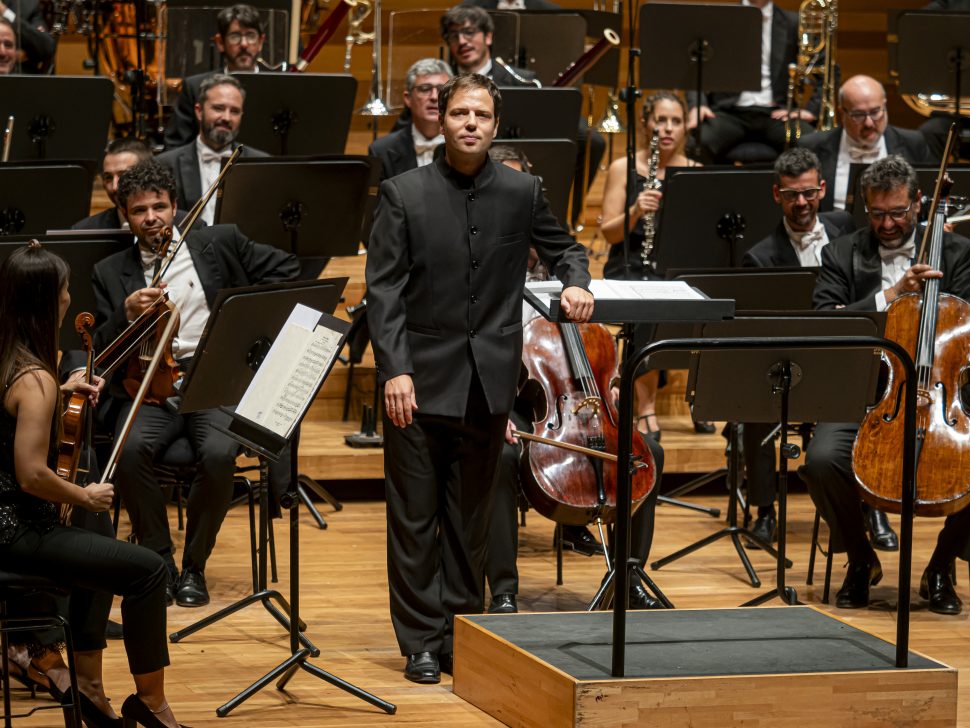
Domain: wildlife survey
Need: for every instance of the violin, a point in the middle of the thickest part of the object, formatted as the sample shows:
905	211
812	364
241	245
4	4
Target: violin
569	468
75	416
935	328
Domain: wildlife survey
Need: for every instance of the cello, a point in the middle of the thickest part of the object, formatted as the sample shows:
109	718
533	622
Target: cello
568	470
935	328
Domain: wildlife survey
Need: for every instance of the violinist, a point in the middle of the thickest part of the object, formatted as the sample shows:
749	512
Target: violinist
32	539
445	272
212	258
866	271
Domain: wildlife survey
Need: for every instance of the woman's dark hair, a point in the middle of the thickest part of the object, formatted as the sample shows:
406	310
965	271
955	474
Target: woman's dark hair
31	280
650	103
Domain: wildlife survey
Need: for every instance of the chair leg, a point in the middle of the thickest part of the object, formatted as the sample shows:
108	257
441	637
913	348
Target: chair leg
811	556
274	577
828	573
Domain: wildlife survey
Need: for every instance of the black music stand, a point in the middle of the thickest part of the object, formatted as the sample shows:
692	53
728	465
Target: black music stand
297	113
35	198
606	71
738	211
549	41
540	113
554	162
57	117
933	54
699	47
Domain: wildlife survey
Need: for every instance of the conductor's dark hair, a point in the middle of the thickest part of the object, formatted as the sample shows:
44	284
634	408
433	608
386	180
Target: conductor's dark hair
247	15
507	153
148	176
888	174
461	15
465	82
795	162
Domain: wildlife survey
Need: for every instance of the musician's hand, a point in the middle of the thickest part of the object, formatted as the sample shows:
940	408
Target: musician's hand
705	113
948	227
510	437
141	299
782	114
912	281
75	383
399	399
647	201
98	496
577	304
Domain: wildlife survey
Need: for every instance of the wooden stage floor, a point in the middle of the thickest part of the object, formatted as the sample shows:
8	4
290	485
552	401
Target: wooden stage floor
344	601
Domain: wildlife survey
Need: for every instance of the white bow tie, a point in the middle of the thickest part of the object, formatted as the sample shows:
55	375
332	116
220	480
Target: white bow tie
207	155
812	237
863	154
428	146
904	251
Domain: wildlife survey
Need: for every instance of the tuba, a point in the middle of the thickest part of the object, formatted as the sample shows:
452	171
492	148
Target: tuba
818	22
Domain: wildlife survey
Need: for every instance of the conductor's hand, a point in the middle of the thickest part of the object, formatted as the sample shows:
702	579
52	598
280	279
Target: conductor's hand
912	281
577	304
399	399
705	113
76	383
98	496
141	299
647	201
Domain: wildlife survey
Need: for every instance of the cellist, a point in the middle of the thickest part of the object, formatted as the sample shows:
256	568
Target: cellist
866	271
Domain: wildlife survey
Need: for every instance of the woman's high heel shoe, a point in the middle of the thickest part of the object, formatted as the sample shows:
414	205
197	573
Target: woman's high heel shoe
91	714
134	713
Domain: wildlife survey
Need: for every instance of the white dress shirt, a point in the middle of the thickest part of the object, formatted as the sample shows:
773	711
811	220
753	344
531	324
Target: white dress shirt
851	153
510	5
895	263
808	245
763	97
210	164
424	147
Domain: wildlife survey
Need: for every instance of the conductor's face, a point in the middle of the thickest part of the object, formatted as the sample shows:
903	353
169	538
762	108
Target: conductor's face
468	46
148	213
469	125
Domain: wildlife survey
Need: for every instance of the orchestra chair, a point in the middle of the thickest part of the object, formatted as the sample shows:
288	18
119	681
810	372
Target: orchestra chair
826	552
17	587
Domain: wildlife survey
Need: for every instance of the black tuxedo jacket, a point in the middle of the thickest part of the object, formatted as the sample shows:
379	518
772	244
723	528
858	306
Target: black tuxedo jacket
184	163
396	152
33	37
104	220
910	145
776	250
445	272
851	273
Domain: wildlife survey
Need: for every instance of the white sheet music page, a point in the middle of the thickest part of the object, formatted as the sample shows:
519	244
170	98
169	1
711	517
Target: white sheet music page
607	289
291	373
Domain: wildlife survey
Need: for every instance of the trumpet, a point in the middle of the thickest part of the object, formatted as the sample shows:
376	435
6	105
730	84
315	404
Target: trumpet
818	22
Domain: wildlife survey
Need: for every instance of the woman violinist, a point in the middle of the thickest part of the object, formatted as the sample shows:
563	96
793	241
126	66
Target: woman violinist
33	300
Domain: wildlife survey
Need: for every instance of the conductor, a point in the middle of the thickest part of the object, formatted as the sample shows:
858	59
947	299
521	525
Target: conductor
445	272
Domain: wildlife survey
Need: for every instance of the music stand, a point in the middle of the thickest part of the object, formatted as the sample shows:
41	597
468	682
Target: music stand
721	45
549	41
540	113
37	197
57	117
297	113
554	162
606	70
312	207
738	212
933	54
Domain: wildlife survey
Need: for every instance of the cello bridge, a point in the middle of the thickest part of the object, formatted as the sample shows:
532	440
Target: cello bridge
592	402
923	397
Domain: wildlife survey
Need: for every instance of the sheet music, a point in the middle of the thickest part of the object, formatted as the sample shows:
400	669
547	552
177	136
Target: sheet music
291	373
603	289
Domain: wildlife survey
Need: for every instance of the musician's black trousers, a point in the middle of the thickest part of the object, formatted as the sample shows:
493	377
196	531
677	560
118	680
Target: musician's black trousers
738	124
437	523
759	463
95	565
831	483
154	430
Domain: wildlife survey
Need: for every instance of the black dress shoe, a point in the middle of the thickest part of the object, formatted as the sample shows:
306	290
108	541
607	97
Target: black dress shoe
881	534
172	586
114	631
91	714
501	604
135	712
860	575
423	667
704	428
192	590
580	540
640	599
766	528
937	587
446	663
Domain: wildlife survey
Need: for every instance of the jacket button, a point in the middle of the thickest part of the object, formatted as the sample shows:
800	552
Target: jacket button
472	334
474	299
473	230
471	196
475	264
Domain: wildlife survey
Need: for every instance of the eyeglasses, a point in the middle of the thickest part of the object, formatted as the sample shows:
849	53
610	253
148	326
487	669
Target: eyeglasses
469	31
425	89
791	195
898	215
859	117
250	36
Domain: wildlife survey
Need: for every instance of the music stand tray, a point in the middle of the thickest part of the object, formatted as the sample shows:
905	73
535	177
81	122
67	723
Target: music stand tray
540	113
27	192
297	113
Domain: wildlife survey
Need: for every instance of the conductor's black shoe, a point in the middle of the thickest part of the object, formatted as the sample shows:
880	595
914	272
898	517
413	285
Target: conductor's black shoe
881	534
502	604
860	575
580	540
766	528
423	667
640	599
937	587
446	663
114	631
192	590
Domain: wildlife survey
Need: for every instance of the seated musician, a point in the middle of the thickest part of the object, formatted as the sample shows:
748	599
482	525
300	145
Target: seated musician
121	154
196	165
212	258
513	4
797	241
757	114
26	19
413	144
866	135
240	41
664	111
8	48
866	271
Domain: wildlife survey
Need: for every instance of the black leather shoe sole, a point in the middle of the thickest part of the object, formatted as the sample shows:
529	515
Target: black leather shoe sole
423	668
